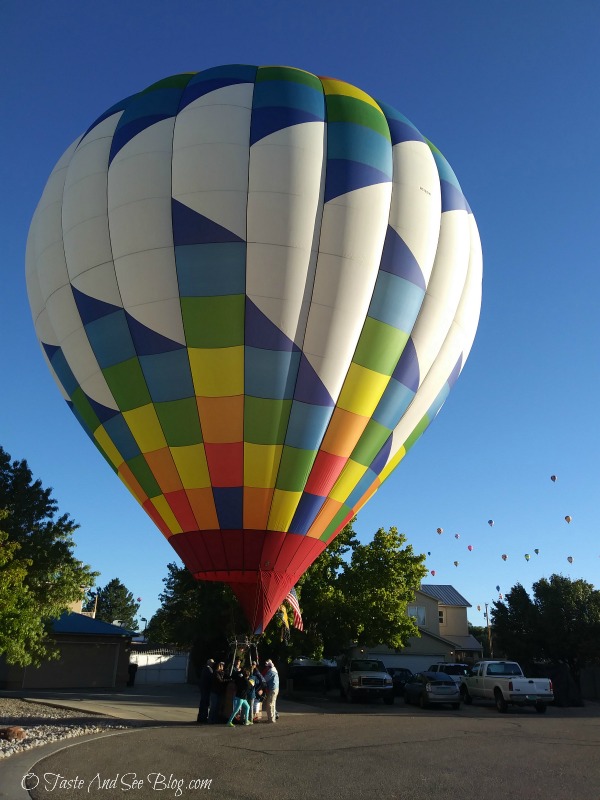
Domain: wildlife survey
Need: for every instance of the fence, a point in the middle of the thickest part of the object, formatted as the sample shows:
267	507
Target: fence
161	666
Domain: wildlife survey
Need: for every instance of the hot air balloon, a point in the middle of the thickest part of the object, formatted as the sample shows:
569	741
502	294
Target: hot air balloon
139	599
504	556
491	523
255	288
433	572
440	530
527	556
478	608
457	535
570	559
500	597
497	588
456	563
469	547
567	518
553	478
537	551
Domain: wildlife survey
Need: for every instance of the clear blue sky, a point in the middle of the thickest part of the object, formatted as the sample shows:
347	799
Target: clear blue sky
509	93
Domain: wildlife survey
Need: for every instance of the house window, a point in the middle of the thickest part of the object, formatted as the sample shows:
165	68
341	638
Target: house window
442	615
418	613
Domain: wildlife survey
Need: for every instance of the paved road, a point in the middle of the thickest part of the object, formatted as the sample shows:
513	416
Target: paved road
332	750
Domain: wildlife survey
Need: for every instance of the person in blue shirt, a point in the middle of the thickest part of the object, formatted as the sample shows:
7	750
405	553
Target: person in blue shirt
272	680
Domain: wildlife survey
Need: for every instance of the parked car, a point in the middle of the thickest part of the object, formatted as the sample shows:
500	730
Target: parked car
399	677
366	678
429	688
456	671
504	683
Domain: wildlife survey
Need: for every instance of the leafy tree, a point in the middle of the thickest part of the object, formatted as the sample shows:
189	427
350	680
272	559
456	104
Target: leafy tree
40	575
480	632
114	603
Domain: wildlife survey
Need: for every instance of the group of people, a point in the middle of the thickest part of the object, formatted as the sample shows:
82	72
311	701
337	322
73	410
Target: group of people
250	685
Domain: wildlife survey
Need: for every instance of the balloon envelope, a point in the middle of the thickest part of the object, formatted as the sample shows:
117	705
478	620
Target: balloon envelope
504	556
553	478
527	556
469	547
255	288
491	523
440	530
568	518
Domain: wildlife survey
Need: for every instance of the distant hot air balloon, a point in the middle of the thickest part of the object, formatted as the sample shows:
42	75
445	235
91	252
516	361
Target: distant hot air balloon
570	559
568	518
469	547
537	551
227	273
139	599
553	478
429	552
500	597
491	523
527	556
457	535
456	563
497	588
504	556
440	530
478	608
433	572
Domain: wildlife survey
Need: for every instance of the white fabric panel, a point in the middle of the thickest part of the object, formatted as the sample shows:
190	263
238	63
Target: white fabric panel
88	244
103	129
80	356
84	200
54	187
50	262
44	330
63	313
36	302
344	286
162	316
141	226
468	311
96	387
444	289
210	156
284	218
416	201
99	282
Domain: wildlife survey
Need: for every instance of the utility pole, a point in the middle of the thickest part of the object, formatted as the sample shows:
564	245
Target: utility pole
489	631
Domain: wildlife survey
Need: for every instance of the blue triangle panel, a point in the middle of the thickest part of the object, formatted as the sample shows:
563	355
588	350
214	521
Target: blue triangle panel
345	176
261	332
407	369
50	350
309	387
453	377
398	259
62	369
126	132
120	106
102	412
148	342
269	120
195	90
401	128
381	458
90	309
306	513
189	227
452	198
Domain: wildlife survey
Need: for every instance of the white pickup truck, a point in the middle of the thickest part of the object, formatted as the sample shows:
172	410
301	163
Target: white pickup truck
504	683
366	678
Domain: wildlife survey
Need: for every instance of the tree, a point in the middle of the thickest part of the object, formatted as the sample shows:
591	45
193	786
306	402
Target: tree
114	604
40	573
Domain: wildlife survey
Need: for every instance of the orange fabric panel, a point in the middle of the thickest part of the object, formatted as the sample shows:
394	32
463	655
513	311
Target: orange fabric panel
164	470
221	418
257	504
203	506
344	430
131	482
328	511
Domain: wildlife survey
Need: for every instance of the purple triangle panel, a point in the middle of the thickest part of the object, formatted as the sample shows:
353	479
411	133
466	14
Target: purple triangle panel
453	377
381	458
50	350
90	308
345	176
261	332
452	198
189	227
269	120
121	106
148	342
407	369
125	133
102	412
309	387
398	259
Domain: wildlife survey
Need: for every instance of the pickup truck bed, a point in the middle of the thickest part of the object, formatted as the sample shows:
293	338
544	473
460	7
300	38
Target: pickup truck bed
503	683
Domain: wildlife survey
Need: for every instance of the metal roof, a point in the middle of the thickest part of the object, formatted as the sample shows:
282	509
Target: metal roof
74	623
446	595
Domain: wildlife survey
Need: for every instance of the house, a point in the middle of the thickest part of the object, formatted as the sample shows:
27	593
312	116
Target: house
441	616
93	654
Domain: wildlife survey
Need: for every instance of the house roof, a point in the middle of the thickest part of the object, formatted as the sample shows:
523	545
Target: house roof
446	595
465	642
74	623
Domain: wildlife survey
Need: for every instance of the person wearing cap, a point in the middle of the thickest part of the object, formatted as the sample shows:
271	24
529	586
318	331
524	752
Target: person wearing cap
205	689
217	690
272	680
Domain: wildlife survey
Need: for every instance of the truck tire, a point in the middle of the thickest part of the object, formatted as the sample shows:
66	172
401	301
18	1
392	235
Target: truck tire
541	708
501	703
466	697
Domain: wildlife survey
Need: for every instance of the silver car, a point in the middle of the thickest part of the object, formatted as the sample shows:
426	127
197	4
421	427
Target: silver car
432	688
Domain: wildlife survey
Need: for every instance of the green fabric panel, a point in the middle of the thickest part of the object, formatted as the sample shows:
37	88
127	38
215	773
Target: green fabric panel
213	321
380	346
143	473
179	421
294	468
335	523
265	421
288	74
418	431
173	81
341	108
370	443
84	410
127	383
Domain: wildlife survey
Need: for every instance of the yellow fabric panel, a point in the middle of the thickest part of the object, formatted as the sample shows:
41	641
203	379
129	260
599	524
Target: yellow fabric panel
257	505
164	470
145	427
391	465
221	419
334	86
349	477
164	509
343	432
191	464
261	463
131	482
362	390
328	511
203	506
106	443
283	509
217	372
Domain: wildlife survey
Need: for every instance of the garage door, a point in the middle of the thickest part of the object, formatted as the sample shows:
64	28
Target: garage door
413	663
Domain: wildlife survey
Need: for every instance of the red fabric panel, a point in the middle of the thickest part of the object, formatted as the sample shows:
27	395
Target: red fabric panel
233	545
225	463
213	541
273	543
156	518
288	550
180	506
192	551
254	542
324	473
